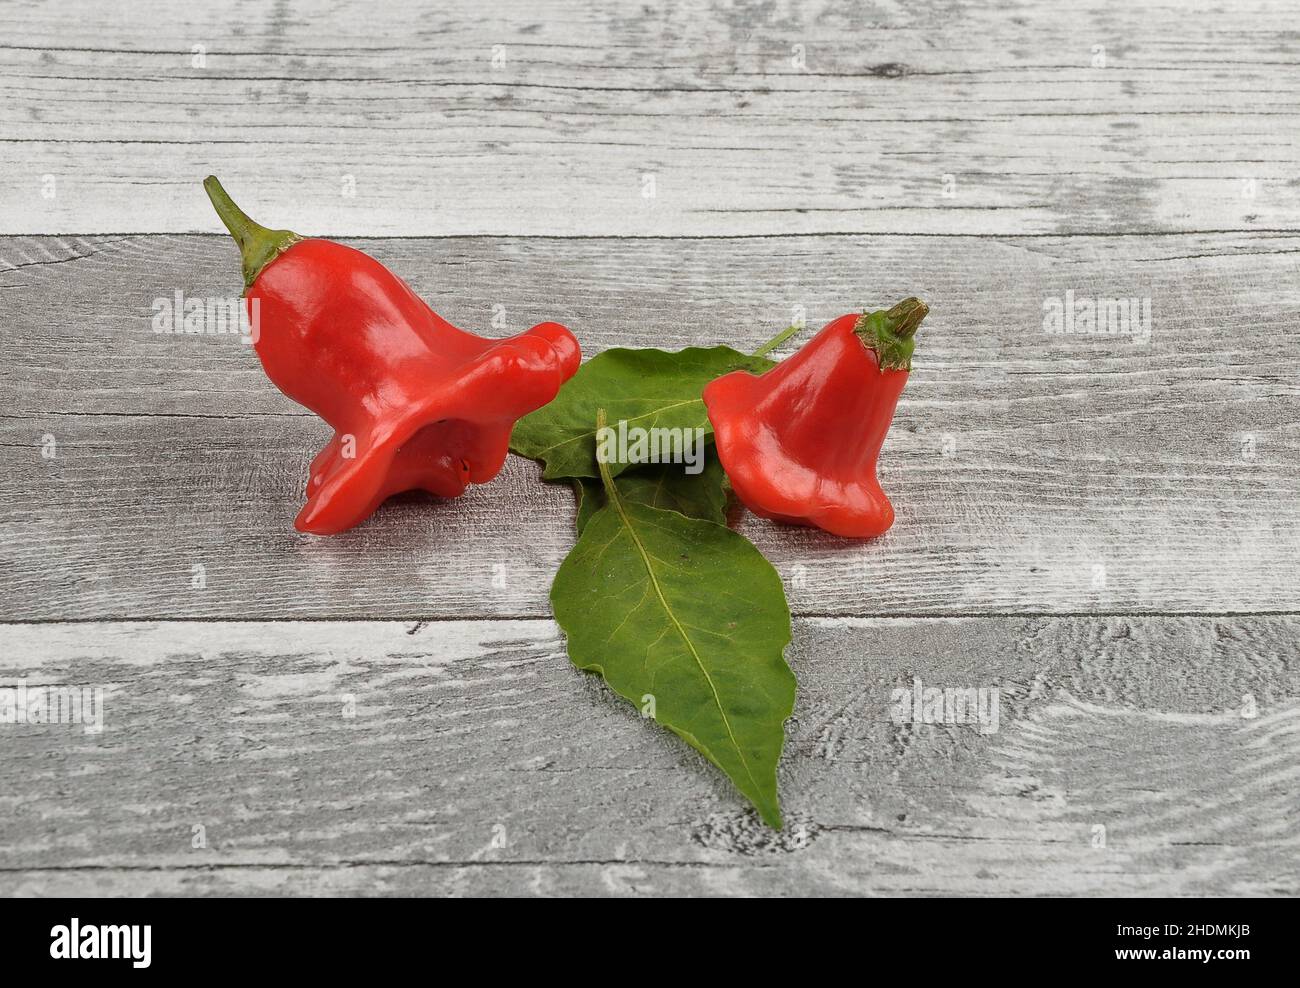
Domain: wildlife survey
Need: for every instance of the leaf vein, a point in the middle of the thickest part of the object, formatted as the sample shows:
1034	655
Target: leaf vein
616	499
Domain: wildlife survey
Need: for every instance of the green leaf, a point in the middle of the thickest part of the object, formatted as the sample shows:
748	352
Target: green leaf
648	388
688	616
661	485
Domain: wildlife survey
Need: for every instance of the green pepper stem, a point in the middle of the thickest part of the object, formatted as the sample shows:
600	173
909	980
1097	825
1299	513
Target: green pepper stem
890	333
777	340
258	246
905	317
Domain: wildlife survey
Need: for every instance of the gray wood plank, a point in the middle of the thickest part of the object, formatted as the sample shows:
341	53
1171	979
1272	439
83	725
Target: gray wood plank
545	118
1076	515
468	731
1170	465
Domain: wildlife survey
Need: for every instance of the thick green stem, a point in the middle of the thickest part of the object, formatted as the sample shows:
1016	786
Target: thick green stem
777	340
889	333
258	246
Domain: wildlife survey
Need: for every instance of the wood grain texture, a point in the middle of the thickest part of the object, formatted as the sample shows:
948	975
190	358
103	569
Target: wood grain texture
809	117
1173	465
1105	532
468	731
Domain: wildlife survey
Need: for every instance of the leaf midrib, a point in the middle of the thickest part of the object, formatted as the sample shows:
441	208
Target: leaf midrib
592	434
617	501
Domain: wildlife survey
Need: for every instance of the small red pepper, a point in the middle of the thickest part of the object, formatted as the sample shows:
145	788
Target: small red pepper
799	442
415	403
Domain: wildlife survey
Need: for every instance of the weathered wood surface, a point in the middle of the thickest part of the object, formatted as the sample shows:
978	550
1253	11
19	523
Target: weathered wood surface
479	761
1174	465
1104	531
544	118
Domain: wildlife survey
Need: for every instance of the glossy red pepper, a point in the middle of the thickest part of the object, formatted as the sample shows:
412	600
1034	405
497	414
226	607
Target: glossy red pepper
799	442
415	403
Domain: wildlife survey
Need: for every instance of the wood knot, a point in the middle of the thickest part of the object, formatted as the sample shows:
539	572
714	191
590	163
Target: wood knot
888	70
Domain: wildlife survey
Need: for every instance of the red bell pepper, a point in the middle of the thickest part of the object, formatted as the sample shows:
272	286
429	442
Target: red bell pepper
415	403
800	441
